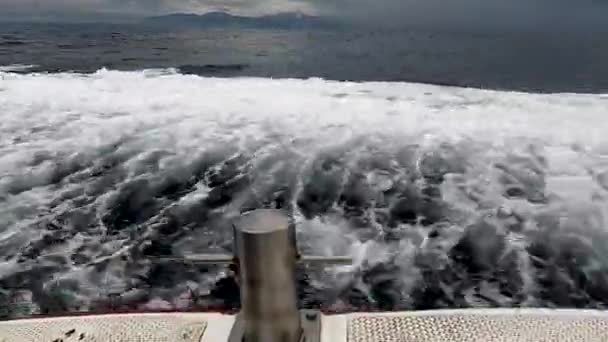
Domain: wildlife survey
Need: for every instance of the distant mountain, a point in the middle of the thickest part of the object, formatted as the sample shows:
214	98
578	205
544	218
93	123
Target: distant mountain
226	20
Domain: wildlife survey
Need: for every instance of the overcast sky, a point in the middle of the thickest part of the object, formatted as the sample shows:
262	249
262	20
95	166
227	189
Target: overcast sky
508	13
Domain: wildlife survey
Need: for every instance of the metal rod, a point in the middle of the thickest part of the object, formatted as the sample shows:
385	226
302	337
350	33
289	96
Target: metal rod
318	259
201	259
265	247
227	259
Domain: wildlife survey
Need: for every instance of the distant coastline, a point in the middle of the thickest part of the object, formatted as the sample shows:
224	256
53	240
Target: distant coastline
289	20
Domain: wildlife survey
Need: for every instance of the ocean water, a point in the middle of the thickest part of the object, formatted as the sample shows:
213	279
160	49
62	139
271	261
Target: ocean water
445	196
525	61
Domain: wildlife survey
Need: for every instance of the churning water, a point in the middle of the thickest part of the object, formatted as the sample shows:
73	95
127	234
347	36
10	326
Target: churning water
445	196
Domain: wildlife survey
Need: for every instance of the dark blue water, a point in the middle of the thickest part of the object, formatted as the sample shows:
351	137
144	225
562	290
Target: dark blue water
539	62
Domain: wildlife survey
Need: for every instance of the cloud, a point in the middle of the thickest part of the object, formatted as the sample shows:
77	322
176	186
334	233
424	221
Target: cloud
435	13
151	7
78	7
472	13
245	7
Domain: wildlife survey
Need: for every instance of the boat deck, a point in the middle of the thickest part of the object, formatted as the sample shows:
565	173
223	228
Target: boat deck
472	325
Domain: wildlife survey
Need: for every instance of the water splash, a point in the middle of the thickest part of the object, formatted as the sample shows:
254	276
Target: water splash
447	197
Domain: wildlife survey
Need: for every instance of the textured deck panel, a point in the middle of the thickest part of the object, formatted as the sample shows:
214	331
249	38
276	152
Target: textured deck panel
114	328
500	325
481	326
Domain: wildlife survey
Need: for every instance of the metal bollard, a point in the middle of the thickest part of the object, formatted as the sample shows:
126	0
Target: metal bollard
265	247
266	256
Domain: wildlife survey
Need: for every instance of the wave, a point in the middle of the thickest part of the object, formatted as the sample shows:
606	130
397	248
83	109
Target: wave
207	69
17	68
12	43
445	196
200	70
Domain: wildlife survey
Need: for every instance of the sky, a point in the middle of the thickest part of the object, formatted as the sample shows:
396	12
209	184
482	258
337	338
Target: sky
548	14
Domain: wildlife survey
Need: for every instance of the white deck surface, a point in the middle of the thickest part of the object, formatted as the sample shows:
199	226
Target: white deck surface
499	325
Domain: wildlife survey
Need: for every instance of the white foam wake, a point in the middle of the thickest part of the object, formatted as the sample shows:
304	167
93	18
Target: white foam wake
57	131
